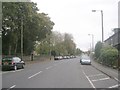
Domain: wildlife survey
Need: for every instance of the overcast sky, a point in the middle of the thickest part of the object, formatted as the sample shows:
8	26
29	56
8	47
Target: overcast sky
75	17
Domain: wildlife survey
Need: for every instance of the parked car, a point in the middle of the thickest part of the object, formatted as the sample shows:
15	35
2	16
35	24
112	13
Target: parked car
56	58
68	57
12	63
60	57
64	57
85	60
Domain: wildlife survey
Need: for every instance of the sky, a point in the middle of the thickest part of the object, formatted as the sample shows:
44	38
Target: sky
76	17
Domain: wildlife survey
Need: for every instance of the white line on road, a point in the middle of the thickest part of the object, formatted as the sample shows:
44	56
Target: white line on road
11	87
88	79
116	79
95	75
34	75
114	86
11	71
100	79
49	67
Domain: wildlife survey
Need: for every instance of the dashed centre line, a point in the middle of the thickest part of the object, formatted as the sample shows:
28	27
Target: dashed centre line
11	87
34	75
49	67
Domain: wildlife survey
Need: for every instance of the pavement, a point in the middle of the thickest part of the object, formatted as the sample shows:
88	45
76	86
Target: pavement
66	73
113	73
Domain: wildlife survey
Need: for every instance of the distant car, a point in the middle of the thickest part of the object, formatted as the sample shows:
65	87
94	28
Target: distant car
60	57
64	57
12	63
71	56
56	58
68	57
85	61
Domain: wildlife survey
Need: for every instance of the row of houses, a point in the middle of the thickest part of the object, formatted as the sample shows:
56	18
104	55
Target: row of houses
114	40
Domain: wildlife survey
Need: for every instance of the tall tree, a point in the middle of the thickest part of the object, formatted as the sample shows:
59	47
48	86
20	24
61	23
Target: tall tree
98	48
35	26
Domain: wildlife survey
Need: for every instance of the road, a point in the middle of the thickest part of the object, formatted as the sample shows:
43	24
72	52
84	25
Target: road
67	73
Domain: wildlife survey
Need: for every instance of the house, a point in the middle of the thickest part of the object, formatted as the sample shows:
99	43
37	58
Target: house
114	40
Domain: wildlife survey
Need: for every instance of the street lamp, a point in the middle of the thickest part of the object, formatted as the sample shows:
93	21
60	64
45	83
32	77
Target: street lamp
101	22
92	41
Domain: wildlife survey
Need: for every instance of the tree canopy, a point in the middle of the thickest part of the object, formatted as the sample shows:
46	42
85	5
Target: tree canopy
98	48
57	44
35	26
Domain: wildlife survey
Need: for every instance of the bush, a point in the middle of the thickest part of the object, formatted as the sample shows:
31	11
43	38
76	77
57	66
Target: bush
98	48
109	55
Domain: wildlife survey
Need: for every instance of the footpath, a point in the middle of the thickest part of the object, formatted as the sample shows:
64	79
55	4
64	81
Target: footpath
112	73
38	60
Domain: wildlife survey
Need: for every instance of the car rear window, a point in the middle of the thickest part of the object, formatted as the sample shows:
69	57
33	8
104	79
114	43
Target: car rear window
6	59
85	57
16	59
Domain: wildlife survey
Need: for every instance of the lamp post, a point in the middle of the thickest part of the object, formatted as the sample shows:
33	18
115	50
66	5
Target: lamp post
101	23
22	38
92	41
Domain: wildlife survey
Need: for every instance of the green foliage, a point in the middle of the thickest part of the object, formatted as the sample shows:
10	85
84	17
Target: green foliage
78	51
98	48
109	55
58	44
35	26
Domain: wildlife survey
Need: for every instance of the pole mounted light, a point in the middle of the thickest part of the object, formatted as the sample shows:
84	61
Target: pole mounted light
101	23
92	41
93	10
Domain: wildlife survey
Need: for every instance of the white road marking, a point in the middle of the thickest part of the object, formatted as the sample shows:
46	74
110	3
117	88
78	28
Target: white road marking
49	67
114	86
101	79
88	79
34	75
11	87
95	75
116	79
11	71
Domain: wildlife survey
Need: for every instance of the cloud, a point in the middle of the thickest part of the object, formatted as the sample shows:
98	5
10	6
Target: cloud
75	17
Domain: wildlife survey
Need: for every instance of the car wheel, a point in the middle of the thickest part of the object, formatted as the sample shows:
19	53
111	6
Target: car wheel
15	67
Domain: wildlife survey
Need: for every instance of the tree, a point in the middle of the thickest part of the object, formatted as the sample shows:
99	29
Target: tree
78	51
69	43
98	48
109	55
58	44
35	26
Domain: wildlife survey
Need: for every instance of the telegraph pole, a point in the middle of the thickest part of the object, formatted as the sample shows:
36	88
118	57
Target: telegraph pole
102	26
22	38
101	23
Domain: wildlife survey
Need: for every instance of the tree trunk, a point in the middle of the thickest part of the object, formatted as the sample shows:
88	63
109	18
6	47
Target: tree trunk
16	48
9	49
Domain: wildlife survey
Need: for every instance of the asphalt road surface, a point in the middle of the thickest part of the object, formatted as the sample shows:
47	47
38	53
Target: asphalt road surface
67	73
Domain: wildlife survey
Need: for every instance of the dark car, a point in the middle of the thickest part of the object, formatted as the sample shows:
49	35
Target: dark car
85	60
56	58
12	63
